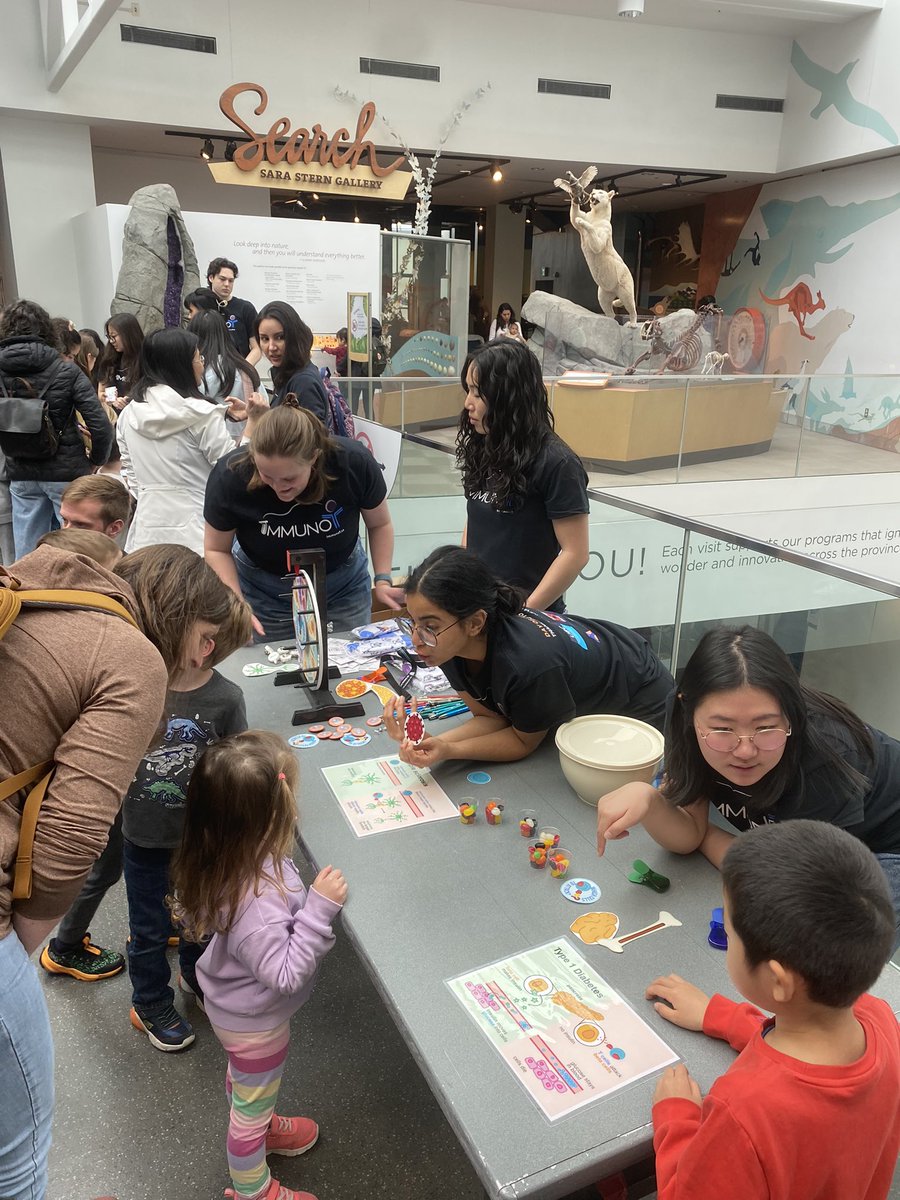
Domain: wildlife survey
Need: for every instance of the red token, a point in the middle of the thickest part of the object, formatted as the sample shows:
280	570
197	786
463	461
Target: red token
358	732
374	722
316	728
335	721
343	728
414	728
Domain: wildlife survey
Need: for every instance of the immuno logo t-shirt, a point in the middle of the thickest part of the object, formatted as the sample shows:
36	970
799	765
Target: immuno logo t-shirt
266	527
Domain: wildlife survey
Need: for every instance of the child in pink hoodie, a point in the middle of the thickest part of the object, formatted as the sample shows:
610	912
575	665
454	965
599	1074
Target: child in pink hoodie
234	880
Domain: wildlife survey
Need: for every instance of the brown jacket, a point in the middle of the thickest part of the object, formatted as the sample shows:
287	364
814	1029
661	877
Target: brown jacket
85	689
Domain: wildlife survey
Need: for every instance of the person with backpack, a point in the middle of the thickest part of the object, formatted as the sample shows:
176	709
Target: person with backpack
295	487
88	668
40	397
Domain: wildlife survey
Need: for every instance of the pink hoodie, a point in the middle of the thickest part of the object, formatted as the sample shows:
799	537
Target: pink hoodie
256	976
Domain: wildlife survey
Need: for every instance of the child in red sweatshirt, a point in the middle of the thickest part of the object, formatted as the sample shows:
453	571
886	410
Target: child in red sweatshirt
811	1106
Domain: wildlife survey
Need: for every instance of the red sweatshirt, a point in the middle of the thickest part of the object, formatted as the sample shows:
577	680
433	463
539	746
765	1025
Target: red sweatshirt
776	1128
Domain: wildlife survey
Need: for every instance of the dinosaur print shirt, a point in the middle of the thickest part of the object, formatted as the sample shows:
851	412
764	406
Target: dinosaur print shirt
153	811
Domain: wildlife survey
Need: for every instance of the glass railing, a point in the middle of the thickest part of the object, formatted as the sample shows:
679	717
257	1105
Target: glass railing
685	429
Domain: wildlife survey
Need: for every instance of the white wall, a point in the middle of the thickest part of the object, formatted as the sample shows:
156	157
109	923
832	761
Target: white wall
48	179
119	173
662	110
873	83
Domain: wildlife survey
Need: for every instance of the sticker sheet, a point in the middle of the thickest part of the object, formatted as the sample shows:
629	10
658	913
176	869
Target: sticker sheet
568	1037
381	794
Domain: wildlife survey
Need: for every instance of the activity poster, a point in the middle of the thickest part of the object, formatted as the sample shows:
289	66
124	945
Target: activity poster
381	794
568	1037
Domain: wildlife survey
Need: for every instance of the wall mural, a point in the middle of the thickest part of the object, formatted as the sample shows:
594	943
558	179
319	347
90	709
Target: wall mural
834	92
803	287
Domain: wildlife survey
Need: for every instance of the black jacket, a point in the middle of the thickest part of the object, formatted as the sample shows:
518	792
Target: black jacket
31	360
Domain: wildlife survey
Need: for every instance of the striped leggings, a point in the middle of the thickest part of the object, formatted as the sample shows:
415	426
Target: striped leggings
255	1066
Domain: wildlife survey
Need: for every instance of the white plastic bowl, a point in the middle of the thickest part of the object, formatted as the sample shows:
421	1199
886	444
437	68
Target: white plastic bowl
601	753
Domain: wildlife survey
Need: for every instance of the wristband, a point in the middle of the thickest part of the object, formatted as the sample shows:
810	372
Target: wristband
381	577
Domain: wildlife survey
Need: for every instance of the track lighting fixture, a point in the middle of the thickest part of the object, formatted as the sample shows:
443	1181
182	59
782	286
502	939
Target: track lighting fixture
496	173
208	150
230	147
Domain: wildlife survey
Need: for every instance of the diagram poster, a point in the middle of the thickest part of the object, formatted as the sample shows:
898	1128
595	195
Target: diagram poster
381	794
569	1038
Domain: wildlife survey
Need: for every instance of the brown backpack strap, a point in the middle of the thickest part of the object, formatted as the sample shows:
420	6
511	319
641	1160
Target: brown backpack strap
40	775
22	876
11	602
61	598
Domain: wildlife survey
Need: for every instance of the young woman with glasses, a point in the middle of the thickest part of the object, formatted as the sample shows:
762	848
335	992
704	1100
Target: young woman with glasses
521	672
746	736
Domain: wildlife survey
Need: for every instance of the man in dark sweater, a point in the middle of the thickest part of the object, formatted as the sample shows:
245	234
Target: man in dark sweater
240	315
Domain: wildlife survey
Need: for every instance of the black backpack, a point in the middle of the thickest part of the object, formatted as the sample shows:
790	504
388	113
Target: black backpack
26	430
379	356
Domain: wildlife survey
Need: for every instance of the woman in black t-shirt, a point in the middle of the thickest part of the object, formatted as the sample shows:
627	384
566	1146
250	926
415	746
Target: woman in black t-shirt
296	488
526	490
119	365
746	736
522	672
287	342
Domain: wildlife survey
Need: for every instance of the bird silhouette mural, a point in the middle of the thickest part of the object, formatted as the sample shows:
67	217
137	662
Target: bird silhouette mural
834	87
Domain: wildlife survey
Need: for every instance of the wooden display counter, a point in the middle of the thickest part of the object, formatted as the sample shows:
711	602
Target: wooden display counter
639	428
425	403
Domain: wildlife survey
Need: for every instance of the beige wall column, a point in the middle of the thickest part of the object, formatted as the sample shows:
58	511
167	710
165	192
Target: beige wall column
504	263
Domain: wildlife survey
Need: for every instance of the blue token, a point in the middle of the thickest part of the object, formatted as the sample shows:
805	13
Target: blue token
479	777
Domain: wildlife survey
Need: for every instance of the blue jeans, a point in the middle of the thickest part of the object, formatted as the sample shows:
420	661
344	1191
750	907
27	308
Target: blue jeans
26	1076
890	864
348	594
150	924
35	511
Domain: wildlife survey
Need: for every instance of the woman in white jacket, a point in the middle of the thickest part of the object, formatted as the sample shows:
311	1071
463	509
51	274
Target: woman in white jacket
170	436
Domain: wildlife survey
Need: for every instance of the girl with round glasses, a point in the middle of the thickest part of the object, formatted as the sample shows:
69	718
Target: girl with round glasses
747	737
521	672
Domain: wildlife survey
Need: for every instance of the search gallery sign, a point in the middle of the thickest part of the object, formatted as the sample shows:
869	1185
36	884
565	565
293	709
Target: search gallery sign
307	160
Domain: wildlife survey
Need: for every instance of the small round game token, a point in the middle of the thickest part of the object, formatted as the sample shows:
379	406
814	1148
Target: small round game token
478	777
581	891
324	736
335	721
359	733
344	727
317	729
349	740
374	722
414	728
303	741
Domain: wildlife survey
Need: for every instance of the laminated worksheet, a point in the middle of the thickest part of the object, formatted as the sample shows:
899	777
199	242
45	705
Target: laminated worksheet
381	794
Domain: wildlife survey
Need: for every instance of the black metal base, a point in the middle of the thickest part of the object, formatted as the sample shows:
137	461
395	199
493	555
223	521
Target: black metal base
288	678
323	706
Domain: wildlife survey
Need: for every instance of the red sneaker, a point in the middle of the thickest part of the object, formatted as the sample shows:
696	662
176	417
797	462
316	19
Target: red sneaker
276	1191
291	1135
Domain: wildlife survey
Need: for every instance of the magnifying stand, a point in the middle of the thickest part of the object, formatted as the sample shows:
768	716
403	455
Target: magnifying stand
306	583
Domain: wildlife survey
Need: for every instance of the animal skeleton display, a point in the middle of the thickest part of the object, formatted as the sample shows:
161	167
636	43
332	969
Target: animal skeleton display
684	353
590	213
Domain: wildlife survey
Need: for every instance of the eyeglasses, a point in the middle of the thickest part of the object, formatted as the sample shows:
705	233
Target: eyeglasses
723	741
428	637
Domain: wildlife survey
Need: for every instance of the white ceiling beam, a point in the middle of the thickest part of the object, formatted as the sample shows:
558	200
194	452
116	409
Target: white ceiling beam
815	10
79	40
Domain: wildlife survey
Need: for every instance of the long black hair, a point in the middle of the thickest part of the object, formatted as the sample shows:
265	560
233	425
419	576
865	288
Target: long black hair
501	324
460	583
128	361
517	423
726	659
167	357
298	340
219	351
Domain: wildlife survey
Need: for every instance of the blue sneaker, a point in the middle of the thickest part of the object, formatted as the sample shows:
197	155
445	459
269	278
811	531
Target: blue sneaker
167	1030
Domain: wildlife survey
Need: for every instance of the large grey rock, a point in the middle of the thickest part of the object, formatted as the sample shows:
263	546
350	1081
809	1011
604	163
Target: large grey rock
571	338
159	263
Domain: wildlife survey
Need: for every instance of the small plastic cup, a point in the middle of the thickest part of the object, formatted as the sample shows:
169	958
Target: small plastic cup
537	855
493	811
528	820
549	836
558	861
468	810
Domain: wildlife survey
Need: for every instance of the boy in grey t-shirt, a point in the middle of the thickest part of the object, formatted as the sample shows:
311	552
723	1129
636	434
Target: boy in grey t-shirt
202	707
